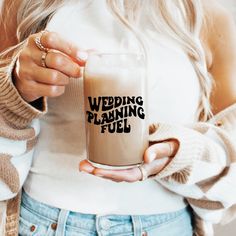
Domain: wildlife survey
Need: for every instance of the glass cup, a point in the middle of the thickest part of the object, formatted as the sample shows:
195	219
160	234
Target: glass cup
115	103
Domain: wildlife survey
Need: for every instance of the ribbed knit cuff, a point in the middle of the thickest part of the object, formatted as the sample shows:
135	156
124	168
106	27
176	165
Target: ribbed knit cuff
191	148
16	111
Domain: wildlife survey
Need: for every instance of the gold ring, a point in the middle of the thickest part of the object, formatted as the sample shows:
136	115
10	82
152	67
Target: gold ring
38	43
43	59
143	173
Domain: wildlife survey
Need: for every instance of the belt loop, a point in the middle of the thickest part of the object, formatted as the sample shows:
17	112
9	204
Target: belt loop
98	225
61	223
137	225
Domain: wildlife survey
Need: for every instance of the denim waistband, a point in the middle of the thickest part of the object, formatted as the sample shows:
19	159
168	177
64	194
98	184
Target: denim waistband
92	222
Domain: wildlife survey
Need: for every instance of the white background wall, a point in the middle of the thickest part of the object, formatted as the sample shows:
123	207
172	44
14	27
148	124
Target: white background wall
230	229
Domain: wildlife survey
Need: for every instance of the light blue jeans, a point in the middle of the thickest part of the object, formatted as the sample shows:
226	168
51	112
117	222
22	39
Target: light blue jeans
42	220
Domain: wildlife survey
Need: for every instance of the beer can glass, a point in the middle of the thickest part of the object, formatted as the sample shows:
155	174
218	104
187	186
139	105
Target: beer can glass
115	103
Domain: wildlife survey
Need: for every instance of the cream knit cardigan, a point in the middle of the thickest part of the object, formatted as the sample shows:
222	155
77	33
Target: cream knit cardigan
199	171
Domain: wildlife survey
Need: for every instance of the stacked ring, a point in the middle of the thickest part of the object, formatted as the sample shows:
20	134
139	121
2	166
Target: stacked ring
43	59
38	42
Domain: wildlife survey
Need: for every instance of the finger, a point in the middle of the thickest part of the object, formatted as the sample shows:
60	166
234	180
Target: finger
37	90
89	168
52	40
50	77
86	166
127	175
156	166
48	90
63	63
160	150
114	180
58	61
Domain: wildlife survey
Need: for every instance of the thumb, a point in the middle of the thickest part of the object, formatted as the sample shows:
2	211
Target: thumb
160	151
156	166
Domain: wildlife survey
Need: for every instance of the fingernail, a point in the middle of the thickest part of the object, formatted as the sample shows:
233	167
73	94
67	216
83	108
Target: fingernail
86	169
152	157
82	55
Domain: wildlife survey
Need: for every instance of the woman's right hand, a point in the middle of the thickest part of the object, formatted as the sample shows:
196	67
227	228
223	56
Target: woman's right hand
63	60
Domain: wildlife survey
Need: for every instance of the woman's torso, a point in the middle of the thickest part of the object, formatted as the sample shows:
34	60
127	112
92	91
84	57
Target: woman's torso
173	91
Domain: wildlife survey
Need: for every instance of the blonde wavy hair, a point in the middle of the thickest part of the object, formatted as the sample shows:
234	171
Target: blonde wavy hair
33	16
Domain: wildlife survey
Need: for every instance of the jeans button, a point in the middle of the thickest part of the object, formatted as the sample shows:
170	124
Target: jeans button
105	224
32	228
54	226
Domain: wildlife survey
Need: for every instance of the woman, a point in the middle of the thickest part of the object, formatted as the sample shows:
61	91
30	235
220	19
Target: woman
186	44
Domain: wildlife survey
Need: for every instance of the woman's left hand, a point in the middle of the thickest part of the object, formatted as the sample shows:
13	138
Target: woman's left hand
156	157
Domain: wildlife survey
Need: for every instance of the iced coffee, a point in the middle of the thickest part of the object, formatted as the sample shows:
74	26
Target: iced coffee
115	109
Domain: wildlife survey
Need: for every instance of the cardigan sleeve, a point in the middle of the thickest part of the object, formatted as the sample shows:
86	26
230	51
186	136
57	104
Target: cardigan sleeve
204	168
19	129
16	153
